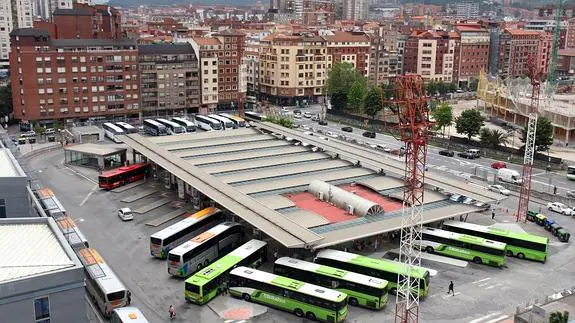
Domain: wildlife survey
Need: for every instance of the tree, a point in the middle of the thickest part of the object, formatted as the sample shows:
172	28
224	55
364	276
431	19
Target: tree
442	88
338	101
451	87
372	104
388	91
431	88
558	317
469	123
340	79
5	101
443	115
492	138
356	94
543	134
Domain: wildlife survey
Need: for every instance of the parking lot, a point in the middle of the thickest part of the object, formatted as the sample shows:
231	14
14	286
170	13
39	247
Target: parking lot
482	293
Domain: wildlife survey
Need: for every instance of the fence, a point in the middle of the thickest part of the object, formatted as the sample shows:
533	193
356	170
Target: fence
531	309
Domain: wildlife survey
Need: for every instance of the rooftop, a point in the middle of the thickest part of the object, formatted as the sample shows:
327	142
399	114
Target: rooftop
177	48
30	32
8	165
523	32
95	149
342	36
93	42
73	12
204	41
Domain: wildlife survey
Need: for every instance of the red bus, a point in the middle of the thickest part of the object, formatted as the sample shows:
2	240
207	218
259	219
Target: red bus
122	175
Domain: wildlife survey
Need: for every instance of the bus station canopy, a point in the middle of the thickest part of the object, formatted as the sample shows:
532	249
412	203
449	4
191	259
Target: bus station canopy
96	150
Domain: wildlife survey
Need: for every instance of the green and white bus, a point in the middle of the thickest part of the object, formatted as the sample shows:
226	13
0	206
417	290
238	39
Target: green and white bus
571	173
207	283
520	245
362	290
290	295
379	268
463	246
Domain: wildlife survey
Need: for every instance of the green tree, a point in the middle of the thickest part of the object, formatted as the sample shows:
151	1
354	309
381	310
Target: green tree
372	104
469	123
442	87
451	87
388	91
5	100
431	88
356	94
443	115
493	138
340	79
39	129
558	317
543	134
338	101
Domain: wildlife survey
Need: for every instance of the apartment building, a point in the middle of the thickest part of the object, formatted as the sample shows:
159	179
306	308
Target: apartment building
15	14
252	59
86	22
570	34
385	60
45	8
515	46
355	9
318	12
72	78
474	53
169	79
467	9
352	47
208	50
292	68
231	69
434	55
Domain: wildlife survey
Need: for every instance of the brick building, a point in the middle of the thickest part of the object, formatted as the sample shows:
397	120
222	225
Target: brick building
169	79
318	12
515	45
72	78
352	47
231	75
434	55
474	53
86	22
385	60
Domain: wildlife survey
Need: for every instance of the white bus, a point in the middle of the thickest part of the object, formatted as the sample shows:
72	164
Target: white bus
71	232
239	122
190	126
208	124
128	315
128	128
166	239
104	287
200	251
226	123
50	203
173	128
154	128
111	131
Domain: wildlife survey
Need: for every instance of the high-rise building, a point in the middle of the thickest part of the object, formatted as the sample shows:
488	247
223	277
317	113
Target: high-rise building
355	9
515	46
15	14
385	60
467	9
84	21
474	53
434	55
208	49
351	47
45	8
232	84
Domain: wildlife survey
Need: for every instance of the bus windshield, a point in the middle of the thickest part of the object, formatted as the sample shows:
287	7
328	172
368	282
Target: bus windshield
571	172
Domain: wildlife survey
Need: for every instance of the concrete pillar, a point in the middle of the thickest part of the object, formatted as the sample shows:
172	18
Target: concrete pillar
567	133
101	162
181	189
133	156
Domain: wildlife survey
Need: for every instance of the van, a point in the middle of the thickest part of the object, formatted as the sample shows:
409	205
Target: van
509	176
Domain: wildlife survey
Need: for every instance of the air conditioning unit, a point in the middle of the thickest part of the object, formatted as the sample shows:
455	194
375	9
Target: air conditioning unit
320	196
350	209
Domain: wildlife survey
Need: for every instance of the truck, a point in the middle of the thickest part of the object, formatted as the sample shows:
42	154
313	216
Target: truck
470	154
509	176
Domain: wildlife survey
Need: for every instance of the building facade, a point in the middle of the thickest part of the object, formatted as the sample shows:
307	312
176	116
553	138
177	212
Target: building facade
87	22
474	53
467	9
231	69
13	187
355	9
434	55
169	79
351	47
385	61
516	45
15	14
318	12
72	78
208	50
45	8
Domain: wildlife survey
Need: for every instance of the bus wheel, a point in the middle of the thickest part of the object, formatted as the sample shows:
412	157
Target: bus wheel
477	260
206	262
393	291
199	266
247	297
509	253
520	256
429	249
310	316
352	301
298	312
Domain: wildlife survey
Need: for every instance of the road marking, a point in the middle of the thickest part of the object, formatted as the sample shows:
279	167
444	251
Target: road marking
80	174
481	280
451	295
481	285
502	317
484	317
493	286
88	196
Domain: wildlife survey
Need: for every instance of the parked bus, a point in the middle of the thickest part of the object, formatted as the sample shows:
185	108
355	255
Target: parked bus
128	128
571	173
166	239
71	232
303	299
520	245
207	283
128	315
50	203
463	246
379	268
239	122
226	123
254	116
111	131
122	175
190	126
207	124
203	249
362	290
173	128
154	128
104	287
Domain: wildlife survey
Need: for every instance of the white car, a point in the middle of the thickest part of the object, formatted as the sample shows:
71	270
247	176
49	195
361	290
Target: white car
305	127
499	189
308	133
284	109
560	208
331	134
307	115
297	116
125	214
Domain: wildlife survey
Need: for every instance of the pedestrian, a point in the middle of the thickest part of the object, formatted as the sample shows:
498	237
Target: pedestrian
276	254
450	290
492	214
554	190
129	294
225	288
172	312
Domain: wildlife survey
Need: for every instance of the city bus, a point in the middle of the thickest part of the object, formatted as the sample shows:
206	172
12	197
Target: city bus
463	246
190	126
111	131
378	268
128	128
207	283
362	290
226	123
571	173
304	300
71	232
173	128
104	287
207	124
128	315
239	122
520	245
254	116
154	128
166	239
203	249
122	175
50	204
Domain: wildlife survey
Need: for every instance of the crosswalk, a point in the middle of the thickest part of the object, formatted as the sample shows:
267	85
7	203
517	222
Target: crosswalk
490	318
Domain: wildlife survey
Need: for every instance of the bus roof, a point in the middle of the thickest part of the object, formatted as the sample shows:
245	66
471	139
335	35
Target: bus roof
288	283
500	232
44	193
202	237
380	264
219	118
168	122
206	118
153	122
125	124
228	261
100	272
333	272
465	238
190	220
113	126
131	314
123	169
231	116
187	122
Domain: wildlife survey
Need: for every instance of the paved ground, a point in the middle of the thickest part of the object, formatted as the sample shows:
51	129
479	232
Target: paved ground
483	294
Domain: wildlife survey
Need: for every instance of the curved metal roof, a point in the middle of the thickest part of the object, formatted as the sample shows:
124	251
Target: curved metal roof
342	198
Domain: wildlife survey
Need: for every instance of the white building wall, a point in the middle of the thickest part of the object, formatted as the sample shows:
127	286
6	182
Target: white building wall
13	14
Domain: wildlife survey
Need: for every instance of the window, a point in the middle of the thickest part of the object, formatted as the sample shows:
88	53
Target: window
42	309
61	70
